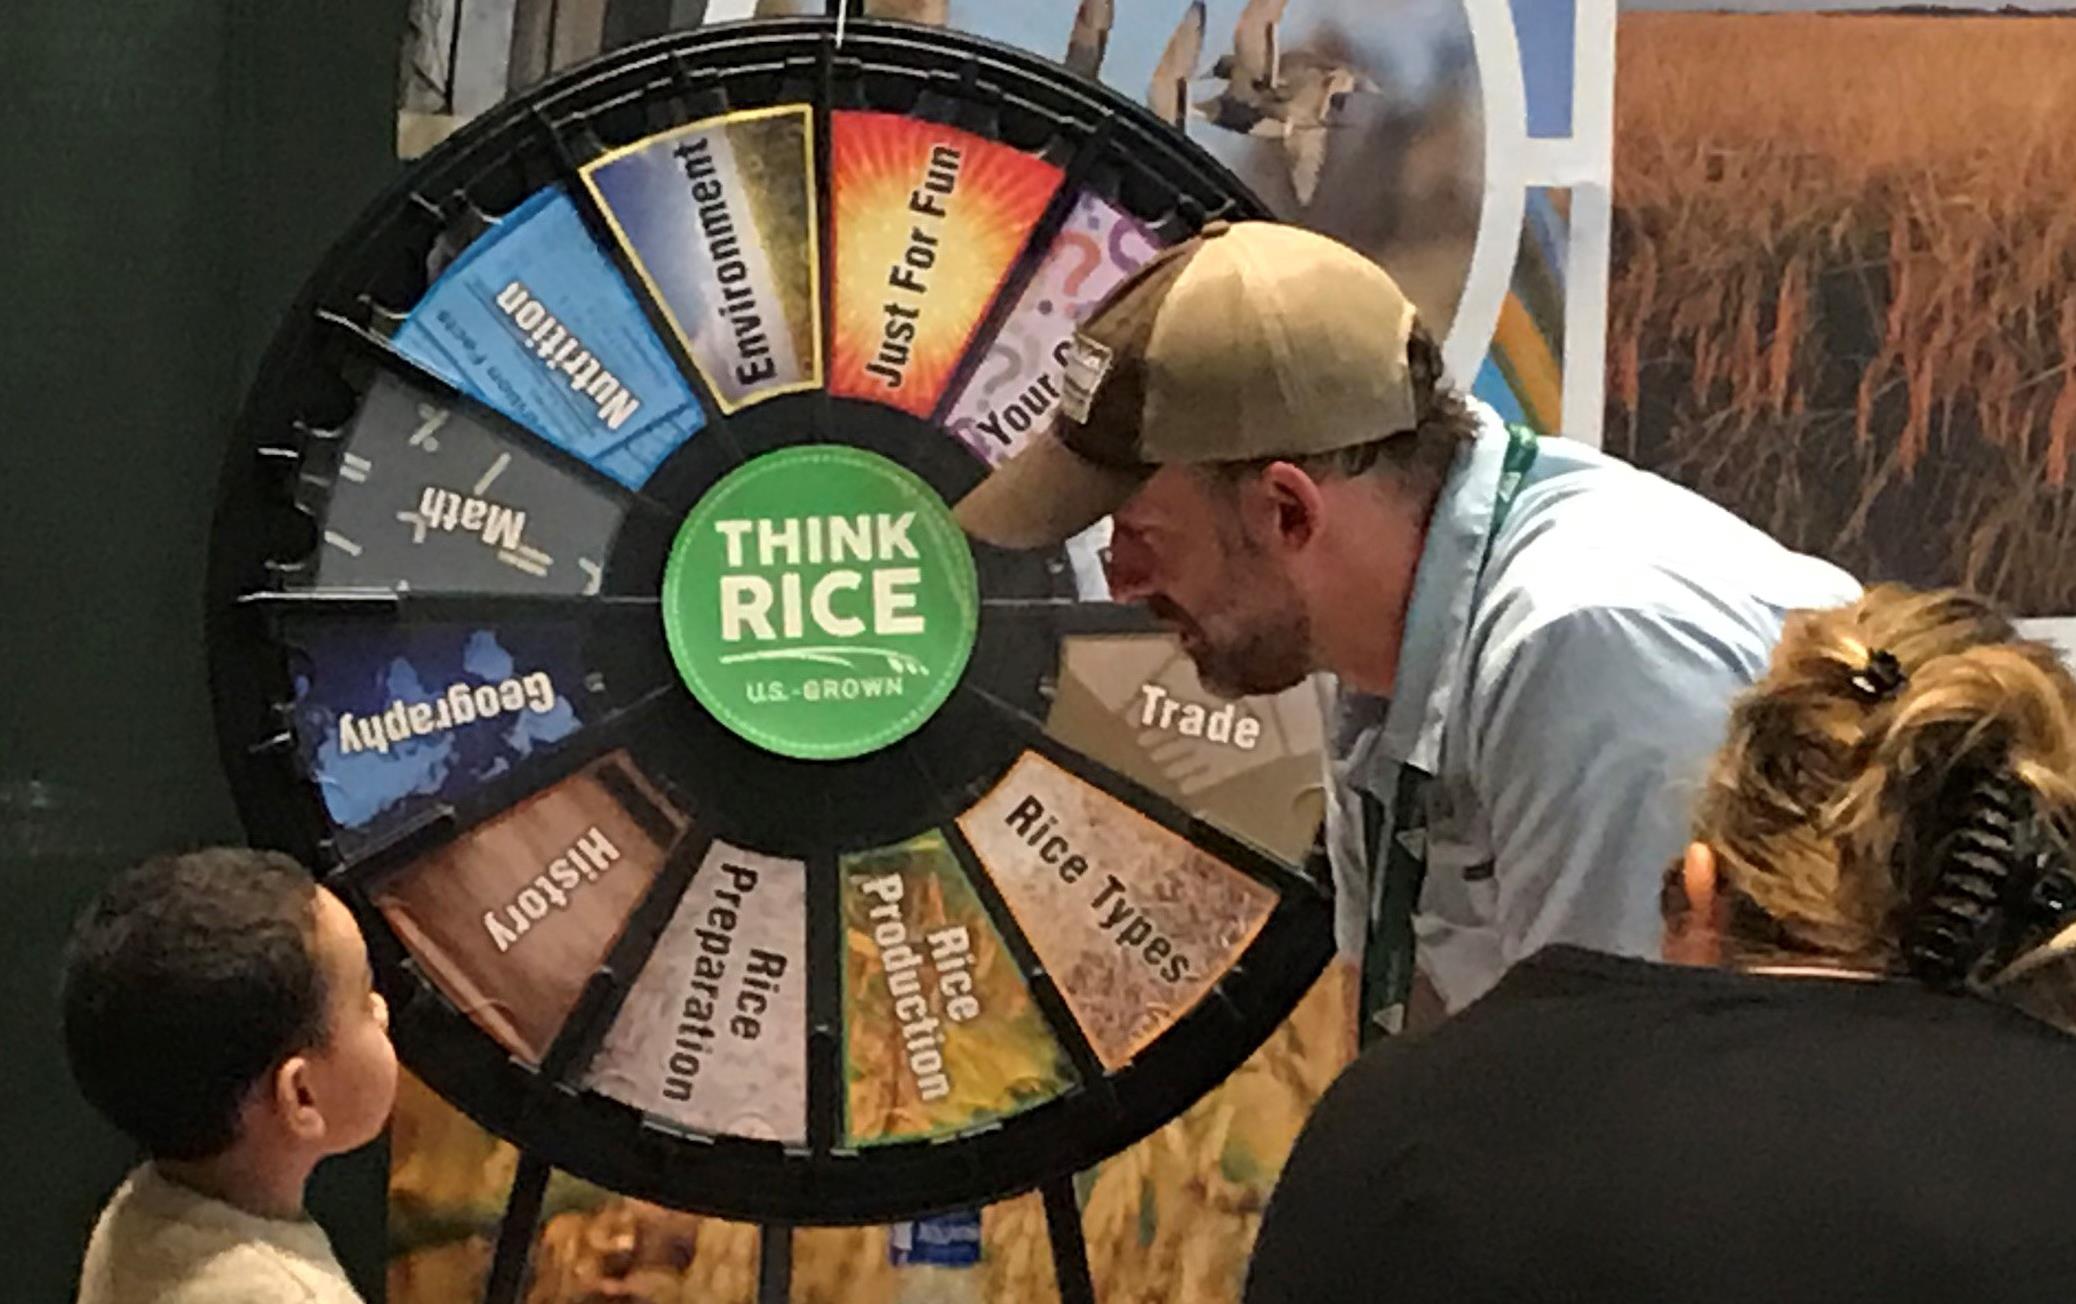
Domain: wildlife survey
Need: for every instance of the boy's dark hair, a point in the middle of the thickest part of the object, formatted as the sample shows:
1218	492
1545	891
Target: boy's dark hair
185	981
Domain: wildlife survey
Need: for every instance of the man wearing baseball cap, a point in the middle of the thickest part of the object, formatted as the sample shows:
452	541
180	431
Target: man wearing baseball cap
1529	648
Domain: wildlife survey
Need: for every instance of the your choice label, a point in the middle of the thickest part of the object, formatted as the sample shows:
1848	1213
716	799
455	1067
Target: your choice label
821	602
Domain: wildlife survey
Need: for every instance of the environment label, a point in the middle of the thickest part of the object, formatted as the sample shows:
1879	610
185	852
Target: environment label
713	1034
1017	387
821	602
1251	767
429	498
1133	923
928	221
534	320
719	216
940	1030
510	920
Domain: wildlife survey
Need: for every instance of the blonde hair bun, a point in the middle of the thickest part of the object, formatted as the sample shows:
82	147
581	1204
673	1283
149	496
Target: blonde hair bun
1899	791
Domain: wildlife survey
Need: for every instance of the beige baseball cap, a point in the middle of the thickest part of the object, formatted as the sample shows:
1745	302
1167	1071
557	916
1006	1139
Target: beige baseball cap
1250	340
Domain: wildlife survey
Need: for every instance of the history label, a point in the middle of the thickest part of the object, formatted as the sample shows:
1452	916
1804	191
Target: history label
510	920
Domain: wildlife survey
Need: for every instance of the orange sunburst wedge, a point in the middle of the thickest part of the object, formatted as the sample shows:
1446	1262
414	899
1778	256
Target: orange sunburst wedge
928	220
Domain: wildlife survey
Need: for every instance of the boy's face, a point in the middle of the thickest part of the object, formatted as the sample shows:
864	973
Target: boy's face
352	1076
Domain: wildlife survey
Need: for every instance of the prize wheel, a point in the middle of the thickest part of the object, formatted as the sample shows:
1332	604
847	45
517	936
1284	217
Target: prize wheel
728	829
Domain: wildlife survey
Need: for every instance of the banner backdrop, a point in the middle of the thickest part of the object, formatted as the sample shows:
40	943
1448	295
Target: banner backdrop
1465	144
1841	304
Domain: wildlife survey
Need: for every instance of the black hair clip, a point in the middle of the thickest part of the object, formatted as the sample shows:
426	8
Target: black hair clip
1983	848
1881	678
2004	885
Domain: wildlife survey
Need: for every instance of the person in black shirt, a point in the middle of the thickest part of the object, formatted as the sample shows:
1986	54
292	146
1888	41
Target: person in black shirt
1820	1099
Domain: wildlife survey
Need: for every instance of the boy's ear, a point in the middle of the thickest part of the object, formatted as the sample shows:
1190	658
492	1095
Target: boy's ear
293	1102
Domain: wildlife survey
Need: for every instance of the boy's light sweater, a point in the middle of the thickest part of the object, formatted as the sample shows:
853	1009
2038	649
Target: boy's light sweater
160	1243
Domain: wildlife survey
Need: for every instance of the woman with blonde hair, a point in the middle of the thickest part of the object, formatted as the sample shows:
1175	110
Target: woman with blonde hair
1822	1098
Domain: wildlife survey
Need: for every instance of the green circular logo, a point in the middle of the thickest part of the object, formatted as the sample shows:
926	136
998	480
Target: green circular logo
821	602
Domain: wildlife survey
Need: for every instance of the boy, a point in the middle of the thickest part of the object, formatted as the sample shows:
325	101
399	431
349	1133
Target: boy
219	1009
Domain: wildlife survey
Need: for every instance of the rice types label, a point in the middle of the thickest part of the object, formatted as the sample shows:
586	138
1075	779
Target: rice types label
1134	923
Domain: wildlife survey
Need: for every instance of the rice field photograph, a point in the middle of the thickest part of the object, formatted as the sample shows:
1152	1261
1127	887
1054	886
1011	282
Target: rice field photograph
1843	284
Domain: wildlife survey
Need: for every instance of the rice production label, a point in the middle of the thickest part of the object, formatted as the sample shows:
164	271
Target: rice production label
941	1033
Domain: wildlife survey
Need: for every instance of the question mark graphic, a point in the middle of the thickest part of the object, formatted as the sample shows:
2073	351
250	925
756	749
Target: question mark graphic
1122	233
1091	258
1012	362
967	431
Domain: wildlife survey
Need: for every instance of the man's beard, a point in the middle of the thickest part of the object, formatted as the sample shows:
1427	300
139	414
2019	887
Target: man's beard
1266	653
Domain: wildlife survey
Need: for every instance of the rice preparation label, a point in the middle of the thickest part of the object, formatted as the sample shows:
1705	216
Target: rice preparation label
714	1033
821	602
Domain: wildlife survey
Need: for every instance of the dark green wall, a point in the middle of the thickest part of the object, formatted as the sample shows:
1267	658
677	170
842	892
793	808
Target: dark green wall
173	168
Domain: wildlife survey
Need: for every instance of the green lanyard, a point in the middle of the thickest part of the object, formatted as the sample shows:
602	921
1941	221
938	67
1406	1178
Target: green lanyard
1400	840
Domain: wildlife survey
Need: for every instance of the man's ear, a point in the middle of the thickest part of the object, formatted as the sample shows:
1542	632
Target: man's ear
294	1102
1292	507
